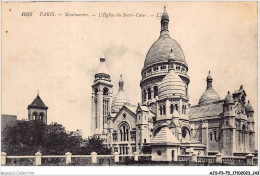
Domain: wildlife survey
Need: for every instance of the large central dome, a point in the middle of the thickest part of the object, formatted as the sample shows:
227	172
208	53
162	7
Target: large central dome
159	51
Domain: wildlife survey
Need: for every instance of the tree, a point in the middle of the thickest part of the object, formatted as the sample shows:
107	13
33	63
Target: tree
96	144
28	137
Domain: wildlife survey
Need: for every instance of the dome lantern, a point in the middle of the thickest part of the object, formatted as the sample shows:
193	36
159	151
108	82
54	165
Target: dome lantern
121	83
164	21
209	80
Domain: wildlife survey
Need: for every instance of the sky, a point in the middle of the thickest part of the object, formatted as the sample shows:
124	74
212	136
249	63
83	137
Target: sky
59	55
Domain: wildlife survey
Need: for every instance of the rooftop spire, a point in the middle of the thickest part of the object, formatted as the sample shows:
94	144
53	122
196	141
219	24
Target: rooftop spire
102	66
209	80
164	21
121	83
37	92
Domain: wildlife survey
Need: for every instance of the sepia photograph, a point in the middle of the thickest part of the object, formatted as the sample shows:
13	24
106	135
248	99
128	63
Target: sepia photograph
171	83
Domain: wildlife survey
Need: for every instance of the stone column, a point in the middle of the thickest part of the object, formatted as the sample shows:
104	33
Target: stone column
249	159
93	114
68	157
194	157
218	158
116	155
130	151
136	156
38	159
157	110
94	157
152	94
3	158
205	135
167	108
100	112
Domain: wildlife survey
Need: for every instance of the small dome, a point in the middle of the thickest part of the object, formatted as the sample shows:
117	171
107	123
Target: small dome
229	99
120	99
249	107
171	85
210	95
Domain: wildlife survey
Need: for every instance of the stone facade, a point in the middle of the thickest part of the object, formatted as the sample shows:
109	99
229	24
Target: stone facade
165	124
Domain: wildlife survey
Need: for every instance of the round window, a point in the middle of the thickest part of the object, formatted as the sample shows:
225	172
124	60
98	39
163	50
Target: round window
159	152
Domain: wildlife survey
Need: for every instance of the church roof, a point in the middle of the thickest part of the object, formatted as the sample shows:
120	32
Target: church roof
207	110
131	108
142	108
165	136
38	103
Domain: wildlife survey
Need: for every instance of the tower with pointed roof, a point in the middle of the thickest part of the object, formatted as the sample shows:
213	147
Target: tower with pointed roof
102	90
37	110
142	128
229	126
251	126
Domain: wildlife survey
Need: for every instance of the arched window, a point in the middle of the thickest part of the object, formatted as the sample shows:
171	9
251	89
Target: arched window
183	109
124	130
210	136
149	93
144	95
215	135
34	116
105	91
41	116
164	109
176	107
243	134
185	134
96	91
172	108
155	90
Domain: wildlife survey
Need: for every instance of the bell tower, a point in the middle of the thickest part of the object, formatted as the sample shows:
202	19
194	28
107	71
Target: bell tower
37	110
102	90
